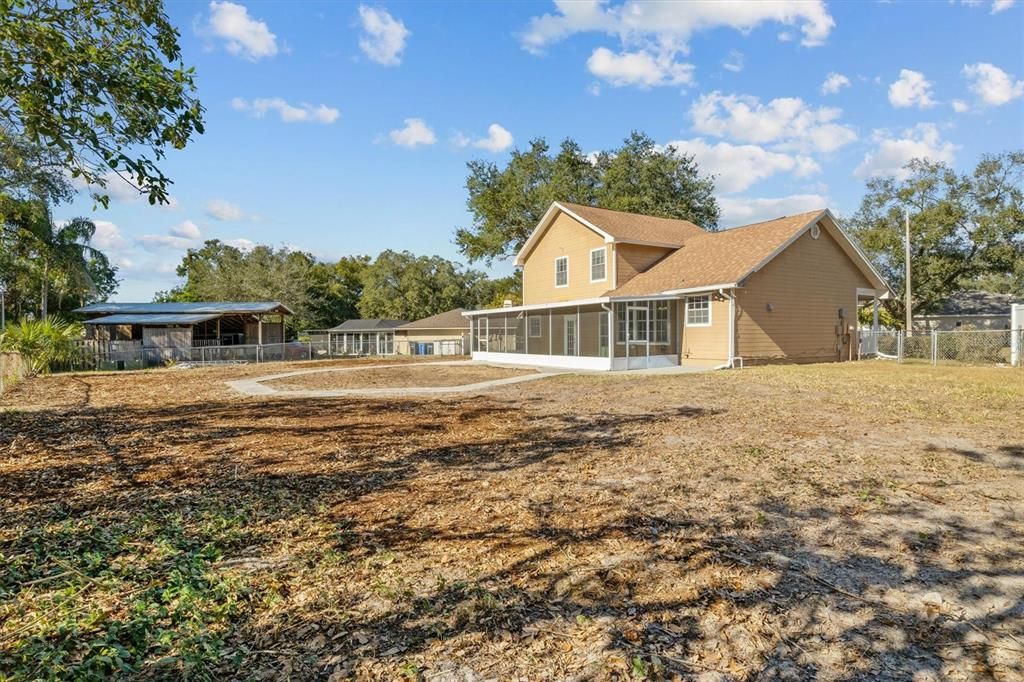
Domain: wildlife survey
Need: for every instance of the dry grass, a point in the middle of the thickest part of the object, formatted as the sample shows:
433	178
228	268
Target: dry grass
830	521
430	374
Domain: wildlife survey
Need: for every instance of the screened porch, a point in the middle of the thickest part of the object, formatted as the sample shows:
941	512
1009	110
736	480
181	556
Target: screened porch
619	335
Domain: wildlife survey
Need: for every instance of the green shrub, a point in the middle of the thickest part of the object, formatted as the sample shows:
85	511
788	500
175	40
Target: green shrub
42	342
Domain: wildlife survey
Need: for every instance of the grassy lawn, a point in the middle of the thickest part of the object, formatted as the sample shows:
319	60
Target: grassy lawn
831	521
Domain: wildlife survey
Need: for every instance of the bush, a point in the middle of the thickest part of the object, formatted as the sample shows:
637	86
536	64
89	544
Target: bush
42	342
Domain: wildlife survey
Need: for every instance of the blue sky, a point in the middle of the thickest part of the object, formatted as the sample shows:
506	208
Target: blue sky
343	128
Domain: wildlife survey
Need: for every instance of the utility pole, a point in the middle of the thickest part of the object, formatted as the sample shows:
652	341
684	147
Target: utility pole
906	259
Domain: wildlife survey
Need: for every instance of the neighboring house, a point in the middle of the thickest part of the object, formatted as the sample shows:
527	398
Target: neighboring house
446	333
186	325
970	310
609	290
364	337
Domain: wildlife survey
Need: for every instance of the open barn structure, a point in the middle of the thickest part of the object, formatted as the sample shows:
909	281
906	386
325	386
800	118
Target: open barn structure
153	333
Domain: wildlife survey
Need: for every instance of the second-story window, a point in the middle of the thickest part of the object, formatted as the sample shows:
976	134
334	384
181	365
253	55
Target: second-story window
562	271
598	267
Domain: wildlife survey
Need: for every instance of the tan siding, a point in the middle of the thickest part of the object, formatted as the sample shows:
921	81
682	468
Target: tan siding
631	259
565	237
805	285
707	343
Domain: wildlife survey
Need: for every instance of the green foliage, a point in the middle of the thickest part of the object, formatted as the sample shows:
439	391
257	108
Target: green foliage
219	272
966	229
98	82
135	595
31	171
639	177
43	343
57	257
402	286
334	290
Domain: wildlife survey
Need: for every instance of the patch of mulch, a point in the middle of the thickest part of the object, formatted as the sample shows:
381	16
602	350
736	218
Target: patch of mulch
856	521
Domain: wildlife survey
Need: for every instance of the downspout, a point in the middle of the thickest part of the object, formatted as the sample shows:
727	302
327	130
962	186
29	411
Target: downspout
732	326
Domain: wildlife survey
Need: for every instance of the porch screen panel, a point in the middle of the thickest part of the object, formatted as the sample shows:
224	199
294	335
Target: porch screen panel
591	343
558	331
517	333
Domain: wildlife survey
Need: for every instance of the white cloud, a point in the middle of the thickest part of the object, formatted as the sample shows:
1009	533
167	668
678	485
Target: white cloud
243	35
640	68
893	153
834	82
960	106
241	244
652	34
743	211
288	113
184	235
383	37
221	209
108	236
166	241
670	25
992	85
737	167
415	132
787	121
912	89
594	89
1001	5
186	229
498	139
119	190
733	62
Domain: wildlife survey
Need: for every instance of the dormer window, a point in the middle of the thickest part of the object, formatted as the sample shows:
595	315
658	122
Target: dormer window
598	265
562	271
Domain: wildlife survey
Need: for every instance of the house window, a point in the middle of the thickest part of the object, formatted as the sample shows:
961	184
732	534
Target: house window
620	323
661	322
598	265
698	311
562	271
534	323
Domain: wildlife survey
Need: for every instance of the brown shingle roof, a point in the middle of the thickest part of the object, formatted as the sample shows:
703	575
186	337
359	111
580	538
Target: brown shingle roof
450	319
716	257
634	227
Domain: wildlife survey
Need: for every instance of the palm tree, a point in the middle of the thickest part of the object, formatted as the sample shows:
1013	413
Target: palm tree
63	251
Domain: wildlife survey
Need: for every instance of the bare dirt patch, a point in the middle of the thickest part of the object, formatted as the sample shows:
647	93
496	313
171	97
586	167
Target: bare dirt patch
830	522
407	376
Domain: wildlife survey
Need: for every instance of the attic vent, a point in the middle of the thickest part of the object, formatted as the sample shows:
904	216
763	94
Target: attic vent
815	231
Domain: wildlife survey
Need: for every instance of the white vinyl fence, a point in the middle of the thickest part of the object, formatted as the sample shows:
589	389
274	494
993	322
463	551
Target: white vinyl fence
993	347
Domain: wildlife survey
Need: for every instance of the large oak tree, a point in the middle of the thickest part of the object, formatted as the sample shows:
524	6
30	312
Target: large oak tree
967	229
640	177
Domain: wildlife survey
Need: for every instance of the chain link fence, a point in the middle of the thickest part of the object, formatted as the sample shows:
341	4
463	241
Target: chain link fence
1000	347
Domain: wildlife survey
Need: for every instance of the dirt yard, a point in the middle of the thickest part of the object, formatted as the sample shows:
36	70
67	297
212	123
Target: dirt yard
833	522
402	376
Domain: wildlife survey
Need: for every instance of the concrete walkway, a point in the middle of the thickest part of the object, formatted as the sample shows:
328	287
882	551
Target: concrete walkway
256	387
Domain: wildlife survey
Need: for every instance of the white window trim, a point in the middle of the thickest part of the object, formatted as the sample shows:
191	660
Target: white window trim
698	324
605	264
529	327
568	321
566	259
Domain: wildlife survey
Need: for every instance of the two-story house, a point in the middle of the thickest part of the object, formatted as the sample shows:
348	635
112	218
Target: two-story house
611	290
